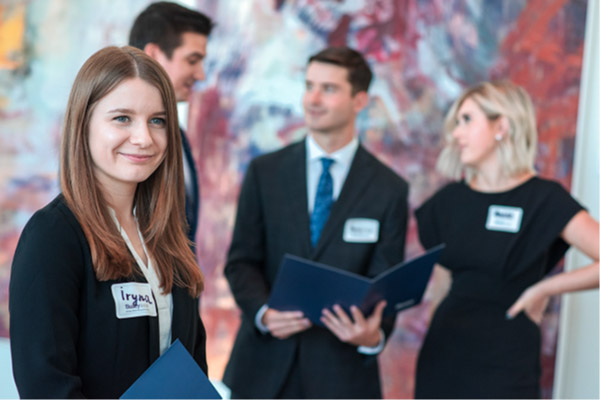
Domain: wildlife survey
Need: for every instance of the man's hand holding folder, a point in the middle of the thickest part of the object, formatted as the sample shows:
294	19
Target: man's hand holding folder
283	324
359	331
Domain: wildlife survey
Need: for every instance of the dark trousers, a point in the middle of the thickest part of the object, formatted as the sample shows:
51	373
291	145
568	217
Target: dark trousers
292	387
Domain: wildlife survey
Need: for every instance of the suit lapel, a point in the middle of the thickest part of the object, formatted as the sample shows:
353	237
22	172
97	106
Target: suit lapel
192	202
357	180
154	337
178	330
180	324
295	169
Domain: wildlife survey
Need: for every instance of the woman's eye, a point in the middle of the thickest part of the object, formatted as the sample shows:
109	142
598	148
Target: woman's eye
122	118
158	121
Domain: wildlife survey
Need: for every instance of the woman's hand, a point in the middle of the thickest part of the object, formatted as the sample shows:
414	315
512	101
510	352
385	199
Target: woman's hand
582	232
532	301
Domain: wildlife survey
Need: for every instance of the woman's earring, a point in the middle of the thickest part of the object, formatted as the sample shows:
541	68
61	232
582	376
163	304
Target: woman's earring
498	137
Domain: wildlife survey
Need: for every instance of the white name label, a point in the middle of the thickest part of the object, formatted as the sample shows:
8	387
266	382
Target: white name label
133	299
361	230
504	218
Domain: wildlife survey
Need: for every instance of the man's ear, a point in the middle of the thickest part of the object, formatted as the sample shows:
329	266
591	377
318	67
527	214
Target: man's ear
361	100
152	50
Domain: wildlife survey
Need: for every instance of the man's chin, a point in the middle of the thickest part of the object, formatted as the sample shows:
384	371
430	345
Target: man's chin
183	95
320	131
320	128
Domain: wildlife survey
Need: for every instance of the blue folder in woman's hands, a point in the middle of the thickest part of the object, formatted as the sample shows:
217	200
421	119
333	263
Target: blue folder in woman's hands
307	286
174	375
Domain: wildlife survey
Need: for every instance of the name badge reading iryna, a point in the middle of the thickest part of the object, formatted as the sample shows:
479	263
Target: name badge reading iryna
133	299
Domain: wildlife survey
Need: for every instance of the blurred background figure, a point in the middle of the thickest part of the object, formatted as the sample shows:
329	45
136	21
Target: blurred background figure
304	200
504	229
176	37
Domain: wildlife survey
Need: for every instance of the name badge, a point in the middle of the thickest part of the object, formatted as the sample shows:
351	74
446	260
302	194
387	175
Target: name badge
361	230
504	218
133	299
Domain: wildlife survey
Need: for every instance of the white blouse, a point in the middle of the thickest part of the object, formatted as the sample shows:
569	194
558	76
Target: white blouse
164	302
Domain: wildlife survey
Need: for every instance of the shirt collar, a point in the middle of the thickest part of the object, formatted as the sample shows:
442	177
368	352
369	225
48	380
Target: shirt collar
342	156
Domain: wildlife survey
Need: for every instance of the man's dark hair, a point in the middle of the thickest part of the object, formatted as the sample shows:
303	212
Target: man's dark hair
163	23
359	72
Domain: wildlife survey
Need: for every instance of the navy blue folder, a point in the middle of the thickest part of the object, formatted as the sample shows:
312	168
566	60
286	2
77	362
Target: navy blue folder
310	287
174	375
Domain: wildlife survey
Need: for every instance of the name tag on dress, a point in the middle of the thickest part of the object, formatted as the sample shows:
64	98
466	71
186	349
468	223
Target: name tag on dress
133	299
361	230
504	218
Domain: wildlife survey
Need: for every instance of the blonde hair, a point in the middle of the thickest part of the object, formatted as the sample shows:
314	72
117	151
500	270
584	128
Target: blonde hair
159	200
516	151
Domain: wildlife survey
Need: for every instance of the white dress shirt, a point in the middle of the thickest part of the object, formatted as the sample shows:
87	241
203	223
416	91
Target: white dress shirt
339	169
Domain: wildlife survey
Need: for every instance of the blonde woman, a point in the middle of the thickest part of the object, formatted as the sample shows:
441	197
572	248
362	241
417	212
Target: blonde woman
103	278
505	228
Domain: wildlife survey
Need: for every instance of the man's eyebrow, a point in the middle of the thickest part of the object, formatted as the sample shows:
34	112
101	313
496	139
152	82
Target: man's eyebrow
322	83
196	54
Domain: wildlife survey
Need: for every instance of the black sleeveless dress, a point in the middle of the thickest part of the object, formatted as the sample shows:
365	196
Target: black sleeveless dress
497	245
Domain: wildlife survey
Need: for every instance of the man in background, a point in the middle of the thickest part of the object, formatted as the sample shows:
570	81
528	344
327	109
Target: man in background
176	37
328	200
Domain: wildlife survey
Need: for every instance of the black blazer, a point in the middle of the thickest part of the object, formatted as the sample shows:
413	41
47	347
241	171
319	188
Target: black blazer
272	220
66	340
192	195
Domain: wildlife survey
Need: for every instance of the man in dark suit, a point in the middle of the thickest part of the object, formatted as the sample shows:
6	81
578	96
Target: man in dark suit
326	199
176	37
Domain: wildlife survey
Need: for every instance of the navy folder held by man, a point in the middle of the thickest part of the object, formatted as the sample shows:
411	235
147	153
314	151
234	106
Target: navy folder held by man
310	287
175	375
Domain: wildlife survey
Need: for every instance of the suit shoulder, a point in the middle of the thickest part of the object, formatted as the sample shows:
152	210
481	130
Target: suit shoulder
53	226
274	158
384	172
51	245
56	213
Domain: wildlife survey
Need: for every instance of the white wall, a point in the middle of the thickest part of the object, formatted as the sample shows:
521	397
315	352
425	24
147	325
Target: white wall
8	389
577	358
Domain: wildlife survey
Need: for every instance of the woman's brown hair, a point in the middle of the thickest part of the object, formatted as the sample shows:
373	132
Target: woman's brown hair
159	200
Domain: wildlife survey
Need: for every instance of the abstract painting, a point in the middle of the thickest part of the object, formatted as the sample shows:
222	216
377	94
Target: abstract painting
423	53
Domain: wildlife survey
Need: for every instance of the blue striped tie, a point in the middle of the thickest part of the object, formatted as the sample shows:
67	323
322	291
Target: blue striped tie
323	201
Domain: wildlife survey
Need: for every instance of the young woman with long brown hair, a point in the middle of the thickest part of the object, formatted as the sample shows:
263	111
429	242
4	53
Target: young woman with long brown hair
103	278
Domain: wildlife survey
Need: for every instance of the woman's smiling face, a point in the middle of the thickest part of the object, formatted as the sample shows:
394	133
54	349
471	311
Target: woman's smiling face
127	135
